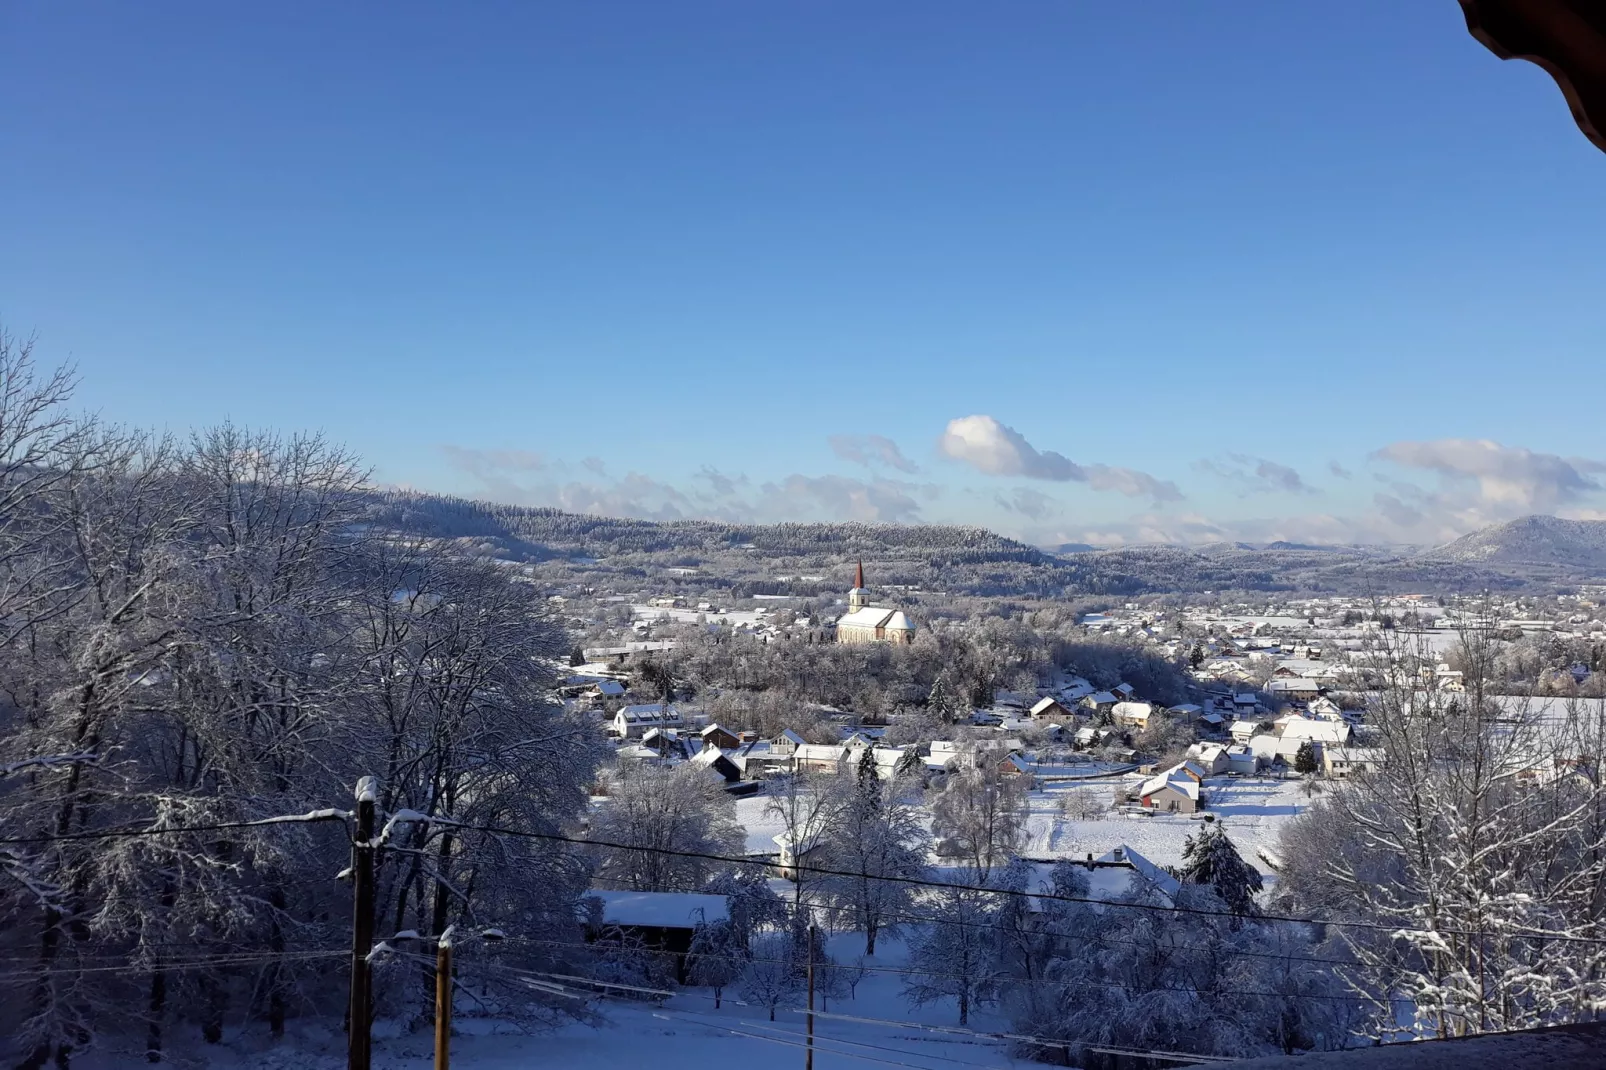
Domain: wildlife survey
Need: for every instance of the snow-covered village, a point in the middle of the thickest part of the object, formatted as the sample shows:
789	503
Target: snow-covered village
706	535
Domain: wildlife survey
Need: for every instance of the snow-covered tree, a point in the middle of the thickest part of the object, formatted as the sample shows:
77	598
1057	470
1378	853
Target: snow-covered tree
875	833
1479	844
717	957
1210	858
980	814
771	978
651	810
955	956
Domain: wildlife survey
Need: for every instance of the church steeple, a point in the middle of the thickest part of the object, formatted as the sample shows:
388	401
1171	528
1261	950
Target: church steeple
858	596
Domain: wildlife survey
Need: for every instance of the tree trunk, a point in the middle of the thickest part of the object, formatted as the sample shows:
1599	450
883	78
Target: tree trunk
157	1009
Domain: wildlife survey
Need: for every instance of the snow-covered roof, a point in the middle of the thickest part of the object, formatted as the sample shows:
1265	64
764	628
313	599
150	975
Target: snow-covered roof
868	617
1137	711
1296	684
1173	777
791	737
1168	885
610	687
670	910
899	622
1322	731
1102	698
1043	705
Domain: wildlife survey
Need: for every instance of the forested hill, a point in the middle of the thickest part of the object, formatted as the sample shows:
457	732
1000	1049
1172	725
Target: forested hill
552	530
968	560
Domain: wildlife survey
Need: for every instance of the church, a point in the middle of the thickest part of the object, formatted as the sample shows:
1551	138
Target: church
864	623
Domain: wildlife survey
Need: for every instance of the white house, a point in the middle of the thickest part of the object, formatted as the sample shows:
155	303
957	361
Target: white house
632	722
1132	714
1331	733
1212	757
1273	749
1340	763
1243	731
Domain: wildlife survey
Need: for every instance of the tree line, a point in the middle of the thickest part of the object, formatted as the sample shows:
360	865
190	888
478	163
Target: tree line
213	631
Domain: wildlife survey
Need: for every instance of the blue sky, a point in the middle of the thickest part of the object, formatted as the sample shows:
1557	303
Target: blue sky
1247	270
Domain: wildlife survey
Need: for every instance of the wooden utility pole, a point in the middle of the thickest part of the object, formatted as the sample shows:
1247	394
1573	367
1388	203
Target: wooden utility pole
808	1056
443	1001
359	1039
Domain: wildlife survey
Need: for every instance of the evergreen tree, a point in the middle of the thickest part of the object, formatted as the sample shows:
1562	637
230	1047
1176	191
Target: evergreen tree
1305	758
1210	858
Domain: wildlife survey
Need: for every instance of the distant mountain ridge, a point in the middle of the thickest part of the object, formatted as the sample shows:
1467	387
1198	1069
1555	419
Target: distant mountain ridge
973	560
1544	541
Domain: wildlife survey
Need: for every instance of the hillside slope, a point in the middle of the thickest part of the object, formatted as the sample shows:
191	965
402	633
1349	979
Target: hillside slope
1548	541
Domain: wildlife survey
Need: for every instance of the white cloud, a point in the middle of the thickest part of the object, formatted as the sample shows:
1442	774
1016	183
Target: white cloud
996	449
1257	475
871	450
1507	477
1033	504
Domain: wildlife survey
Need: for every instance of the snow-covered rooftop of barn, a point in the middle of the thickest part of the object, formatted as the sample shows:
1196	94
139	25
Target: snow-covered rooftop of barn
672	910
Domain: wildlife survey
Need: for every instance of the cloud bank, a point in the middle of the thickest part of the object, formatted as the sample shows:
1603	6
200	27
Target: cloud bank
998	450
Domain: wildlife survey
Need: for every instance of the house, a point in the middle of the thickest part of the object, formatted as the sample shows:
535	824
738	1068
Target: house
668	742
1085	736
1324	708
712	758
1132	714
656	921
1212	757
1274	750
1051	709
719	738
786	744
756	760
1246	702
1188	711
791	857
1100	701
1172	790
1076	690
1014	764
864	623
1334	733
819	757
1124	692
1163	882
1241	760
1243	731
1341	763
1298	688
632	722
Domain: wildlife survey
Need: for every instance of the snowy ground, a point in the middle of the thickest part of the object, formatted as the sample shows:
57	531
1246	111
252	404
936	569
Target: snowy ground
681	1033
1251	810
732	617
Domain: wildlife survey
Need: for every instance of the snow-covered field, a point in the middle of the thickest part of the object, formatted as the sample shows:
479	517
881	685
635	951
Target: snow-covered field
1251	810
732	617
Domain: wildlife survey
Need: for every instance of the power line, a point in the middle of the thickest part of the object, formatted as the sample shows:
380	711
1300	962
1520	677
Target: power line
1050	982
167	830
950	886
816	870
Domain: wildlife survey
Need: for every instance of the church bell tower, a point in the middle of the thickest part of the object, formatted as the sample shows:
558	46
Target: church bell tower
858	597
